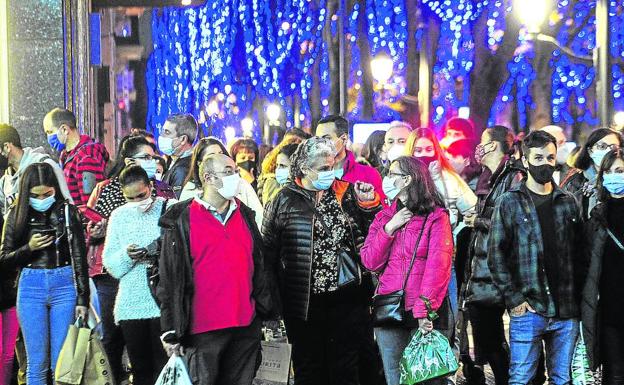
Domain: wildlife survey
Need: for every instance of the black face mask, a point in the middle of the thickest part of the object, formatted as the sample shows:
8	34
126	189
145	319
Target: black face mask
427	160
4	161
542	174
247	165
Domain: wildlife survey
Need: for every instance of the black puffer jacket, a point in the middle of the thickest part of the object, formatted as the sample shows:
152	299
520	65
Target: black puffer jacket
595	235
15	253
287	231
480	288
175	289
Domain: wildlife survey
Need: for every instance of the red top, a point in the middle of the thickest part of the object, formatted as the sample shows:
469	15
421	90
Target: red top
87	157
222	271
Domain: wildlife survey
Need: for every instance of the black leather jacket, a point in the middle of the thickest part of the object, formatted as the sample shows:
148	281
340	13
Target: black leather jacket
480	287
15	253
177	173
287	231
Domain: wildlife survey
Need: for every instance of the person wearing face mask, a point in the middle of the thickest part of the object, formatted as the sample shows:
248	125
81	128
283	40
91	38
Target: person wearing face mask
336	129
394	142
315	224
131	231
563	152
43	237
581	180
15	158
246	154
161	168
457	129
268	185
603	296
83	160
460	155
106	197
192	186
214	290
175	140
393	241
485	303
282	172
534	258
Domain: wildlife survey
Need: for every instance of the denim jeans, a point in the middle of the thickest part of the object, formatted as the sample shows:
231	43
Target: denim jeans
46	299
526	335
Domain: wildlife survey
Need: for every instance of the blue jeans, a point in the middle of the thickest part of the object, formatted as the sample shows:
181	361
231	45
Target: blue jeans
452	293
46	299
526	335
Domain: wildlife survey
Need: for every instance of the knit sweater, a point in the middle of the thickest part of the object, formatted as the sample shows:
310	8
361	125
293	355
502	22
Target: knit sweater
126	226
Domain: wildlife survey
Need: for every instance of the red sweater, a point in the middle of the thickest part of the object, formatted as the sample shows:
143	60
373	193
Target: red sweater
222	271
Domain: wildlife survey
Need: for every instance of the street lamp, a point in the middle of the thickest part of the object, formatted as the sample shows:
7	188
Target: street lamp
273	113
532	13
382	68
618	120
247	125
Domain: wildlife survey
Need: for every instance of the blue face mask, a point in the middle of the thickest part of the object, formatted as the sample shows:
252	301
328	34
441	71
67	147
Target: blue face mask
389	188
55	143
149	166
42	205
324	180
598	155
281	175
614	183
339	173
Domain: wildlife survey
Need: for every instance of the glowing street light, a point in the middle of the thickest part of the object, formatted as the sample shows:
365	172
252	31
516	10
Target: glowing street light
247	124
273	112
532	13
230	134
618	120
185	2
382	68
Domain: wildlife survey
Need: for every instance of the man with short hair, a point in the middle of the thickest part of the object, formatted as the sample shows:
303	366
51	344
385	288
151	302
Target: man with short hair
394	140
83	160
176	139
563	152
533	257
336	129
15	159
213	288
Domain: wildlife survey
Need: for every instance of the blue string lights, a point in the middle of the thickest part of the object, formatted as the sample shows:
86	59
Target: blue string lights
217	59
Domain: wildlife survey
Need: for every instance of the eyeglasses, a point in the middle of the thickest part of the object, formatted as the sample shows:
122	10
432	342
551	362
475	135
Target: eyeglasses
604	146
396	174
143	157
226	173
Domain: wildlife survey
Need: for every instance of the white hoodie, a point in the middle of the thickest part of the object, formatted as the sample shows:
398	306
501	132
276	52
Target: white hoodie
9	183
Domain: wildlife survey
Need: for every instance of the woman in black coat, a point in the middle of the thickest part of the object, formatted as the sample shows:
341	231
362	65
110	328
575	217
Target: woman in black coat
310	228
602	305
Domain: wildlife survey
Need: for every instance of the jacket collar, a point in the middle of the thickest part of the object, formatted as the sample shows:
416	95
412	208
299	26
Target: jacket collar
349	163
523	189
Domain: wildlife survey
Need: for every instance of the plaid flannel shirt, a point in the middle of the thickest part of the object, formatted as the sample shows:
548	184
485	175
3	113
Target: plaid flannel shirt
516	252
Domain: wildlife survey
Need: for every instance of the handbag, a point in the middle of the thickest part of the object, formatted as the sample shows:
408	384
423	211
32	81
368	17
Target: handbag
389	309
579	368
174	373
82	359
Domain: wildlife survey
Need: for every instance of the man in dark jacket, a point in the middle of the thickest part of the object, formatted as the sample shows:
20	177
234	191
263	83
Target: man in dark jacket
213	286
176	140
534	263
485	302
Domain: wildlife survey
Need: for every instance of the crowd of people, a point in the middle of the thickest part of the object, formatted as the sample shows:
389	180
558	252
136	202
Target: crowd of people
192	246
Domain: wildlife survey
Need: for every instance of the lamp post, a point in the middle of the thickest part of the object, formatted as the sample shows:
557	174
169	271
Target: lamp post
273	113
532	13
382	68
247	125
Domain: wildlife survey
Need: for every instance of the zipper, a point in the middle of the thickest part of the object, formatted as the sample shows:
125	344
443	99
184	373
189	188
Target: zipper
307	307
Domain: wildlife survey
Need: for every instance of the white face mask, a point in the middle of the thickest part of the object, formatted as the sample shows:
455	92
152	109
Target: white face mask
142	206
231	184
395	152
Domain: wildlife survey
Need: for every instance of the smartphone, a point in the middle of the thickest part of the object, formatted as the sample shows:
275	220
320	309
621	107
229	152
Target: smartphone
47	232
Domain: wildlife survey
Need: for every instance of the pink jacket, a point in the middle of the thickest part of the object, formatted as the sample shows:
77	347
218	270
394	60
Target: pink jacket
391	256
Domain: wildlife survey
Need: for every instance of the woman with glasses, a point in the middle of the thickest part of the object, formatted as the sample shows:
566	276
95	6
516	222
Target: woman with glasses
106	197
43	237
581	180
192	185
414	232
313	229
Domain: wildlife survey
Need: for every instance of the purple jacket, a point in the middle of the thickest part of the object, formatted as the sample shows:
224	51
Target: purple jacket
355	172
391	256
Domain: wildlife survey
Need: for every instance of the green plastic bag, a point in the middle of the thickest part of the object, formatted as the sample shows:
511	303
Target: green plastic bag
426	357
581	375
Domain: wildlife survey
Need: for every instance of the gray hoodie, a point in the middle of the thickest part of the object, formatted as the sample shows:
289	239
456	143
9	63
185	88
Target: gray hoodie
9	183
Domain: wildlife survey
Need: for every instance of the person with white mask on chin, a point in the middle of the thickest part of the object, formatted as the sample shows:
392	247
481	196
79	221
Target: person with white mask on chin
394	142
563	152
176	139
213	289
